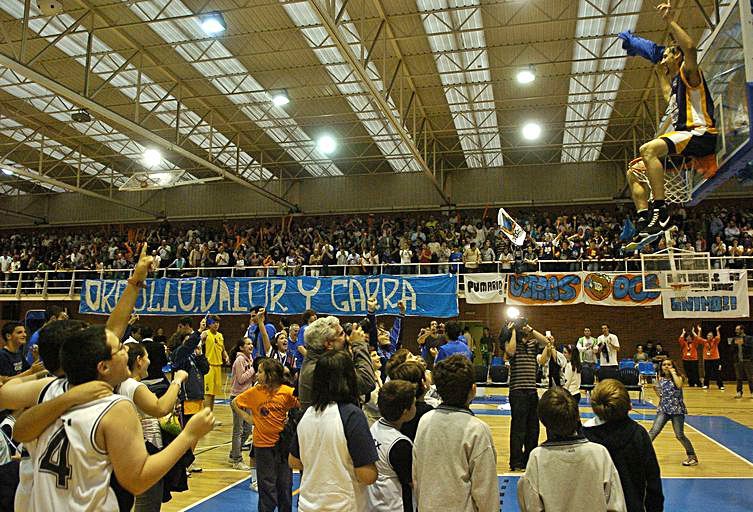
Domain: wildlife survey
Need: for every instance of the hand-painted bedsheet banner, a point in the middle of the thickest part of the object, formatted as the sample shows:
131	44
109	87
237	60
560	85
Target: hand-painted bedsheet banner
727	299
433	296
604	289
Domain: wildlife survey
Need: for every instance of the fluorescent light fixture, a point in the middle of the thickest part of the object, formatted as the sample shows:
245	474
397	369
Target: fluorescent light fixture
7	172
213	23
280	98
152	158
531	131
326	144
526	76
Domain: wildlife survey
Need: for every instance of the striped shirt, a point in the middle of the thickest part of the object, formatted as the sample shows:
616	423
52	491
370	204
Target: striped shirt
692	108
523	366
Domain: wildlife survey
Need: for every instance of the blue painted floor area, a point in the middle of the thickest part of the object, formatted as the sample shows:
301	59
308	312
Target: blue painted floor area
584	402
731	434
686	494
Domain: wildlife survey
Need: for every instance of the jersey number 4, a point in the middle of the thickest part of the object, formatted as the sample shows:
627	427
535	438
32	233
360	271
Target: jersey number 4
55	459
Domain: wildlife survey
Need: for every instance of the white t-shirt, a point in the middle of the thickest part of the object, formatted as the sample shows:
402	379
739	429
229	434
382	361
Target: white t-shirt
149	424
612	344
572	379
331	444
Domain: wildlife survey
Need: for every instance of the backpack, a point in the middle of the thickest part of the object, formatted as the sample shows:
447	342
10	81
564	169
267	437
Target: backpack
288	431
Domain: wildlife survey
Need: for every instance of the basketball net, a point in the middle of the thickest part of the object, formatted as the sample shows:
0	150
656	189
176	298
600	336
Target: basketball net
677	180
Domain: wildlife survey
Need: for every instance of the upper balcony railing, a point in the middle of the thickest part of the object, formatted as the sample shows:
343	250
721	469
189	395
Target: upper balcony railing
62	284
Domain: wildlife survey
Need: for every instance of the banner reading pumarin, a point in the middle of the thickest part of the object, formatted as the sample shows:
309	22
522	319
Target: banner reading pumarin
432	296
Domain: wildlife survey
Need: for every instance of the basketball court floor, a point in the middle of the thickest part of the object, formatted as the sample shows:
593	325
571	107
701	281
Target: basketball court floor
719	426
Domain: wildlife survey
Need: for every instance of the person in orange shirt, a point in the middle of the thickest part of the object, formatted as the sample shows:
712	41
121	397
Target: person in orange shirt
689	348
269	402
712	363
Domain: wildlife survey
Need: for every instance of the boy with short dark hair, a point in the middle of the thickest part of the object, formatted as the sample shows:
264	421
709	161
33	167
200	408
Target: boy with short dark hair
392	491
629	446
567	472
454	447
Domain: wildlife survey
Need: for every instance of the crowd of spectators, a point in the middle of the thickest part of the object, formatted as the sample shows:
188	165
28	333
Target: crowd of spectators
589	239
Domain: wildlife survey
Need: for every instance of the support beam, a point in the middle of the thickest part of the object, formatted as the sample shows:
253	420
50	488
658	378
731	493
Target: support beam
14	213
381	103
129	125
72	188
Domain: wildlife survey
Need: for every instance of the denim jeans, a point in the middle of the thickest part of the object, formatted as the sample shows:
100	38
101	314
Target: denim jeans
241	431
678	425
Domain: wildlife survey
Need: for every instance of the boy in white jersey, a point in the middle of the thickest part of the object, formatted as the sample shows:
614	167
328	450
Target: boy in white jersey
392	492
76	453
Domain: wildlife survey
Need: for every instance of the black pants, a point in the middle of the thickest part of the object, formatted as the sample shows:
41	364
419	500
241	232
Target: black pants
524	426
275	480
691	370
744	368
712	369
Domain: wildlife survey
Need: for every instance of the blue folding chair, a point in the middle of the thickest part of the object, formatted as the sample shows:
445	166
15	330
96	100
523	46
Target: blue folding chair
497	361
626	363
646	369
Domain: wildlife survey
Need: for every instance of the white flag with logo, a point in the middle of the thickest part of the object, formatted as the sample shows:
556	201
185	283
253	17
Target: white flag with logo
485	288
511	228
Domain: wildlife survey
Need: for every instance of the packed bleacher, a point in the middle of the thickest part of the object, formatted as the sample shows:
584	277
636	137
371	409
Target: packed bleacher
590	238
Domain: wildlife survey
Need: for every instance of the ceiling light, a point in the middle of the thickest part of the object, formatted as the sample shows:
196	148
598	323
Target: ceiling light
326	144
526	76
152	158
531	131
82	116
280	98
7	172
213	23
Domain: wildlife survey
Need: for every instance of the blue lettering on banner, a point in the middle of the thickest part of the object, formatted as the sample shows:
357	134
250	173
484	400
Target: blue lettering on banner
434	296
712	303
632	287
547	288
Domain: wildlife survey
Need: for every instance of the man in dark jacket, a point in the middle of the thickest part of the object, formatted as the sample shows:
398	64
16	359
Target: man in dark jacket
325	334
629	446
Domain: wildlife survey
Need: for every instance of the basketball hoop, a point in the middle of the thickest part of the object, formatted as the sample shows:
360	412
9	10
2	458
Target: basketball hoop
678	188
680	290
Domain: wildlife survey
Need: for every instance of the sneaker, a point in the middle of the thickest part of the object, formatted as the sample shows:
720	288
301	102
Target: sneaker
705	387
721	388
641	222
195	469
690	461
739	394
241	466
254	486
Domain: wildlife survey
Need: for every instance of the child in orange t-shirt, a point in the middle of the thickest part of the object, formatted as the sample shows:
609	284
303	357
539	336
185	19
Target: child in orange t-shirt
269	402
711	361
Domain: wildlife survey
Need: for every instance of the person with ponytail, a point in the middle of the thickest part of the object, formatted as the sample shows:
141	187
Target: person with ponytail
572	372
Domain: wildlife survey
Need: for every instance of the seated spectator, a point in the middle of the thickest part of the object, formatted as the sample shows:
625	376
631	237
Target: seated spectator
640	355
628	444
568	472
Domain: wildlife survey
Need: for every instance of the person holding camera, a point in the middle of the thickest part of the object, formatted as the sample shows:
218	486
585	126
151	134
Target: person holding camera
522	345
325	334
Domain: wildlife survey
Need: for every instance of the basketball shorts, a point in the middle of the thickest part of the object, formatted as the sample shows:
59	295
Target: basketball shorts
690	143
213	381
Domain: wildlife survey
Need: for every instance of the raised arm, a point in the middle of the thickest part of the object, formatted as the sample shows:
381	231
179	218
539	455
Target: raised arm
148	402
262	327
120	315
684	41
512	344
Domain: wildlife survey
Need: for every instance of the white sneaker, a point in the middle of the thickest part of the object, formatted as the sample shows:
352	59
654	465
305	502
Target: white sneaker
254	486
195	469
739	394
705	387
721	388
241	466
